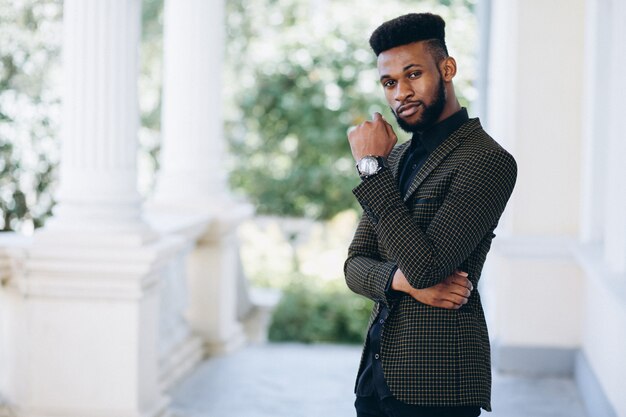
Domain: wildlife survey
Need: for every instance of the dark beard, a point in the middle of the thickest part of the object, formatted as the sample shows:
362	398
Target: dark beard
431	112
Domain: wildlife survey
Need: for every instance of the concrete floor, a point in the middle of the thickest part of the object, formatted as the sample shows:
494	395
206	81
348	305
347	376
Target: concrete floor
292	380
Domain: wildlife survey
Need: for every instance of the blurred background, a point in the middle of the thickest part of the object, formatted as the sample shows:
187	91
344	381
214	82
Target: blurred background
176	202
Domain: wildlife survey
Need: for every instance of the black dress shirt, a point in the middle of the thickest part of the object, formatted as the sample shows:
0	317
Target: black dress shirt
371	380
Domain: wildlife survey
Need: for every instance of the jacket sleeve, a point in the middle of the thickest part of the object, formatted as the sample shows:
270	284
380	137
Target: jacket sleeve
365	272
471	209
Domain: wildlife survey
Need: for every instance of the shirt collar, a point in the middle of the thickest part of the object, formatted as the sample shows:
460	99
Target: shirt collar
436	134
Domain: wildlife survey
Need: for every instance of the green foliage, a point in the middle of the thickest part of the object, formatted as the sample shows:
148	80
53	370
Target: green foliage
30	105
299	74
289	131
150	93
319	313
29	110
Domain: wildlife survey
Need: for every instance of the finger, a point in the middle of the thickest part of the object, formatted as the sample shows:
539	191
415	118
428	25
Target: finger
389	129
461	273
376	116
460	291
464	282
451	301
448	305
458	300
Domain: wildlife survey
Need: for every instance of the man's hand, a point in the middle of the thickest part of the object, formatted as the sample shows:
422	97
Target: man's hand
372	137
452	293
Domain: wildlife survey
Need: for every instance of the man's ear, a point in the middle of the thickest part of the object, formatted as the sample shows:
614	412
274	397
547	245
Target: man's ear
448	68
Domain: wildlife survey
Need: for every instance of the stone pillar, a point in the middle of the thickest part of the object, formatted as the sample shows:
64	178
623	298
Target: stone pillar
90	286
98	180
535	108
192	150
192	180
600	370
595	121
213	279
615	205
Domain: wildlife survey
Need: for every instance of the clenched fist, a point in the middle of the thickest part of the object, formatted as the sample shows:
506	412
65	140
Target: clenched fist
372	137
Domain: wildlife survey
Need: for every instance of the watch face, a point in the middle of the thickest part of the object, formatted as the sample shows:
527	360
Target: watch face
368	165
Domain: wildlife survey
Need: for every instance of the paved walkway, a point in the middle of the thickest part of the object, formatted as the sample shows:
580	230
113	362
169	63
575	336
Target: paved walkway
292	380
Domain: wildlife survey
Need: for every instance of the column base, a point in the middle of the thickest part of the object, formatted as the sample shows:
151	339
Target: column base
161	409
89	339
180	361
535	361
236	339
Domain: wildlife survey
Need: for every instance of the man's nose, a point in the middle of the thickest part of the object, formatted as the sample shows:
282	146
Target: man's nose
403	91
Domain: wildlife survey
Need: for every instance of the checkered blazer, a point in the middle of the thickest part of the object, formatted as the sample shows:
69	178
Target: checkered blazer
433	356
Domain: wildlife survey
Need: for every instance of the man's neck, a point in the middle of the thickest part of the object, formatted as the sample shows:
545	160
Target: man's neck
452	106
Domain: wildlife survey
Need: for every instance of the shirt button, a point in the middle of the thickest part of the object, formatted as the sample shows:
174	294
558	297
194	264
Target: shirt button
381	321
376	356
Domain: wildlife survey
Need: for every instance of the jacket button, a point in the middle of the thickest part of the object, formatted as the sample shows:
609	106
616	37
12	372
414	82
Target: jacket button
376	356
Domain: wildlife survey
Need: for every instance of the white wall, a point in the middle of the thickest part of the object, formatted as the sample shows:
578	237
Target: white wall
557	273
534	111
603	218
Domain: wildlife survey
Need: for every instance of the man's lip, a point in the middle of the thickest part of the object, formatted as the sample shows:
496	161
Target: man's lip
408	109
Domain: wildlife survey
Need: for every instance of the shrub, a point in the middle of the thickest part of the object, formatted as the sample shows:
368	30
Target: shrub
310	312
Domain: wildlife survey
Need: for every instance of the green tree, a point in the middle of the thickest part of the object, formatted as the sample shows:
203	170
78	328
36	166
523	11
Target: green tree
150	93
30	105
300	74
293	157
327	313
29	110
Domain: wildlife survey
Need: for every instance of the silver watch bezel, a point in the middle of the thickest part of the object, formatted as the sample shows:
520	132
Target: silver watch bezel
369	165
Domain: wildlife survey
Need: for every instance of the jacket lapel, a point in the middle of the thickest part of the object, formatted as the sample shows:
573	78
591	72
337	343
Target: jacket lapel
439	155
396	158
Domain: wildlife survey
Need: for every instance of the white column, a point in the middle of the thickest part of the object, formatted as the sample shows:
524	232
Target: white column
192	170
88	340
604	253
615	205
535	112
192	180
98	181
213	286
595	121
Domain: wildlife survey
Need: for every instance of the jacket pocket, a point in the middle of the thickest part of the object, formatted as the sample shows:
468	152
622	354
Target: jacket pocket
427	199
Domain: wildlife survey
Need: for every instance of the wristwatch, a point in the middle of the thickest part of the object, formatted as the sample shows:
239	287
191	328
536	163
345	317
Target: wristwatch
370	165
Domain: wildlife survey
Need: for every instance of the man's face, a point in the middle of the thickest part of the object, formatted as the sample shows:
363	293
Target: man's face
413	85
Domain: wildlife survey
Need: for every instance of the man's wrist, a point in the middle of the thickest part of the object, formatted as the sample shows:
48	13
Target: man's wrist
370	165
400	283
416	294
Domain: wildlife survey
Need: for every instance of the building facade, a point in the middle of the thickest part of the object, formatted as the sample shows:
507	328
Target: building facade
557	277
114	300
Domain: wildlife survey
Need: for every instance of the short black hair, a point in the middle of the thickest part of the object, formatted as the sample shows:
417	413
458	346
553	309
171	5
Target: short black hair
409	28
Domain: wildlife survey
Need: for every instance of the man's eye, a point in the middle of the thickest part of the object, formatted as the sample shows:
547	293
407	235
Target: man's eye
389	83
415	74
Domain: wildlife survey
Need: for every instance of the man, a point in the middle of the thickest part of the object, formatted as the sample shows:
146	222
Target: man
430	208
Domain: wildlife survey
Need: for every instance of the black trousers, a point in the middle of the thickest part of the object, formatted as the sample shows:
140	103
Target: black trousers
373	406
